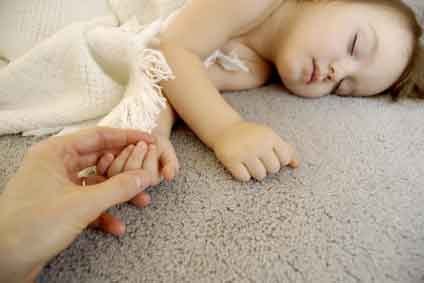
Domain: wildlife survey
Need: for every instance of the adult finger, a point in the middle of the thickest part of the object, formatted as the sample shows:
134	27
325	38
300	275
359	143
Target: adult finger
141	200
100	139
116	190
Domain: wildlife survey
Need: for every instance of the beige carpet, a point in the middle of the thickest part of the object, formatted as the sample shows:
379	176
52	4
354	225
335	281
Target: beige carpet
351	213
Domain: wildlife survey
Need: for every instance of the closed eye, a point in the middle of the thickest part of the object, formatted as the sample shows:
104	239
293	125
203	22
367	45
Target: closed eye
355	41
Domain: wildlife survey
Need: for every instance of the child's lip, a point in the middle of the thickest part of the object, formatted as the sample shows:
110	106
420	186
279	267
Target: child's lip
315	72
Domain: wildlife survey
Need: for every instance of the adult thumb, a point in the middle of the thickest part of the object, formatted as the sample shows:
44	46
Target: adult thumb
119	189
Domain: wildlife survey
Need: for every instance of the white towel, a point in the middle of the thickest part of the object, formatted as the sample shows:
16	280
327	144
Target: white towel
85	71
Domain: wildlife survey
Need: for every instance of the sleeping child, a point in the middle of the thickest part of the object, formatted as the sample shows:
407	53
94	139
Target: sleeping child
340	47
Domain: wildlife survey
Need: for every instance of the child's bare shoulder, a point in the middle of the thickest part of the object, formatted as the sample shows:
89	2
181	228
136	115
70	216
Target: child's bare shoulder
204	25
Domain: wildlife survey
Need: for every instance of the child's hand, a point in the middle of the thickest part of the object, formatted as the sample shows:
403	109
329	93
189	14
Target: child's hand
251	150
158	159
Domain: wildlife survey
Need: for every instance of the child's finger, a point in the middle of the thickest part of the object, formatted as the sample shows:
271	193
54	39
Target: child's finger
104	163
137	156
239	171
271	162
151	164
119	163
286	154
109	224
141	200
169	164
256	168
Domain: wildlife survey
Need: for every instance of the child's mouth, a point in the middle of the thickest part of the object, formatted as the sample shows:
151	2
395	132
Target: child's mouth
315	72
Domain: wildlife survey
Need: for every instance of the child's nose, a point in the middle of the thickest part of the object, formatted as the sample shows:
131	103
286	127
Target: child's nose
340	70
331	76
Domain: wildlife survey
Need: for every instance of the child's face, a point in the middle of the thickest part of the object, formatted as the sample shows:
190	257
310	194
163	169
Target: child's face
365	46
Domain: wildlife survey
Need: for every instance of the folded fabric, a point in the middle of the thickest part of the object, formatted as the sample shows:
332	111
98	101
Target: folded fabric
93	72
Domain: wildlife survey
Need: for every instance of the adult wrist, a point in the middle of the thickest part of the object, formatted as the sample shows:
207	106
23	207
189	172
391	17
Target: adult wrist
14	265
10	268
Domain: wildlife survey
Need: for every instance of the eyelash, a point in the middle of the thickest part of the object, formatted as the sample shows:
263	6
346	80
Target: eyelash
352	51
355	41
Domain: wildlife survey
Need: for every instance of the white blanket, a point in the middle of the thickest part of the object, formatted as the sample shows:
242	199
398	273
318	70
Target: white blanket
79	70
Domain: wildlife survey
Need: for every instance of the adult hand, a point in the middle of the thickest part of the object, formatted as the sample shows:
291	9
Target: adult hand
44	207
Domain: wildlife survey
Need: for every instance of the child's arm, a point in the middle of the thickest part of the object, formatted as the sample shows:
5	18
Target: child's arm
200	28
246	149
194	96
165	121
226	80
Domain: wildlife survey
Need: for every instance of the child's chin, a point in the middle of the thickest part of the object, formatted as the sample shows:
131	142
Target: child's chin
305	92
